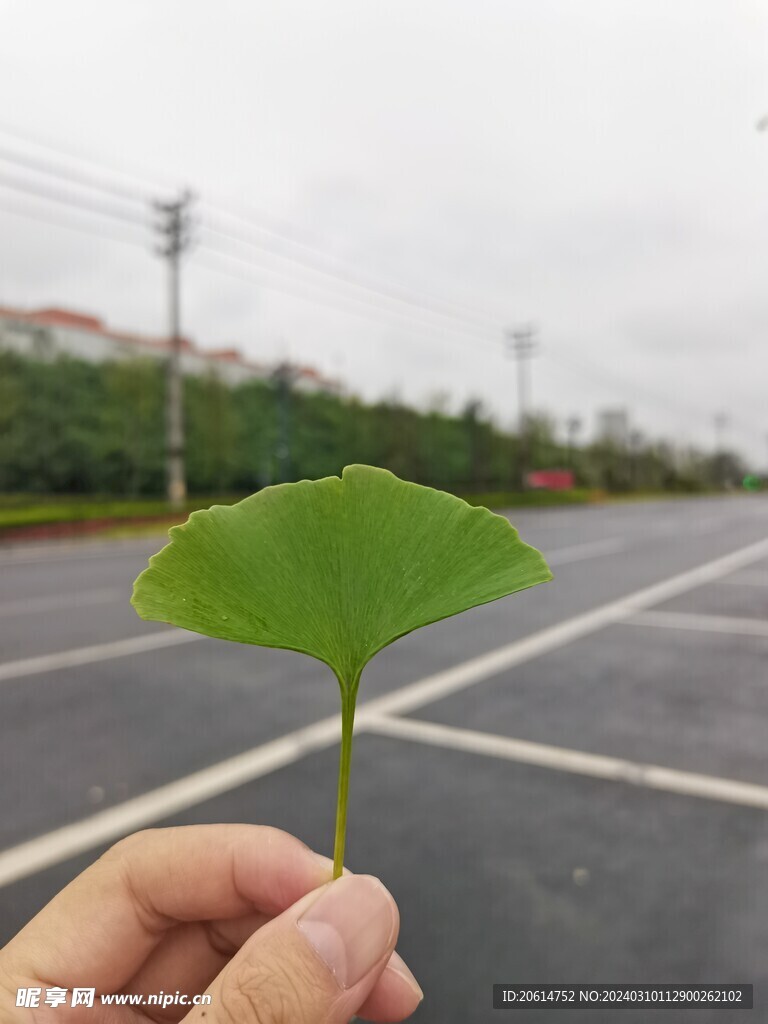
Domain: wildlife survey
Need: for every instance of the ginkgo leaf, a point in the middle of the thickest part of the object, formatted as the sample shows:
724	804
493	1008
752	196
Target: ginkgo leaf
335	568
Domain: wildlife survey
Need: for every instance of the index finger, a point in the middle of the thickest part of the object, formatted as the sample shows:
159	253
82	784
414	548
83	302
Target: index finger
100	929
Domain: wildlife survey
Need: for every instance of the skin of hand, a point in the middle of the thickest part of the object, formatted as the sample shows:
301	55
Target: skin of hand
243	912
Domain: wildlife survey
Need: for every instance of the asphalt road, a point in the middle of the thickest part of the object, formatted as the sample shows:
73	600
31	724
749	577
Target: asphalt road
500	784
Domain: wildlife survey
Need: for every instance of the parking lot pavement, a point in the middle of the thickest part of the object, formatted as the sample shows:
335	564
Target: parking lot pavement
501	780
696	702
506	872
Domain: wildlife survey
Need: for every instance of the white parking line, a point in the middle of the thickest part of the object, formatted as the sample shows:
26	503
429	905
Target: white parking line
576	762
97	652
702	623
52	602
42	852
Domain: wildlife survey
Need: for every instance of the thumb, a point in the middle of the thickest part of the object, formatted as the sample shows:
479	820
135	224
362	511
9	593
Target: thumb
315	963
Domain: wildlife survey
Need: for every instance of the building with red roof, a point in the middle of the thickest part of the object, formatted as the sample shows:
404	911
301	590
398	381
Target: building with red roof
52	333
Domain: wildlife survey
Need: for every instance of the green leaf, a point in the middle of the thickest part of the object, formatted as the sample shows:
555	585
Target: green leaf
336	568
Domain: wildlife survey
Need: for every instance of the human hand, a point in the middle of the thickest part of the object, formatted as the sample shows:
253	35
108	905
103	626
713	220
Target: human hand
237	911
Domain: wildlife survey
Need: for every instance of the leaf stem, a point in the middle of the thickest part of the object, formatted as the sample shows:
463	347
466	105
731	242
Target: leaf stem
348	700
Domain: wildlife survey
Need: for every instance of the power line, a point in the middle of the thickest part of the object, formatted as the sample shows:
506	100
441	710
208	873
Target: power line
90	230
99	210
324	301
48	219
149	182
53	196
469	330
344	274
350	276
71	176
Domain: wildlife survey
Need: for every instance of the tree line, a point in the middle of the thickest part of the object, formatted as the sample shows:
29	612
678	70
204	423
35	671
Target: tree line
72	427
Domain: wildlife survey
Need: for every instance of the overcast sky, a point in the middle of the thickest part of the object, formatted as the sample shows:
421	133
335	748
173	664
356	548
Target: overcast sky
592	167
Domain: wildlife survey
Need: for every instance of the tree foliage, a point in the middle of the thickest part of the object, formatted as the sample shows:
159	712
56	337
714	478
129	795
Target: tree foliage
74	427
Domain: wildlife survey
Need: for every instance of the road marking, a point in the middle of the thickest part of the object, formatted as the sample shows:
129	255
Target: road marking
52	602
702	623
580	552
54	847
97	652
749	578
575	762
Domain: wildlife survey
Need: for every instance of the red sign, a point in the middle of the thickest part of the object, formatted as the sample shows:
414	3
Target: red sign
551	479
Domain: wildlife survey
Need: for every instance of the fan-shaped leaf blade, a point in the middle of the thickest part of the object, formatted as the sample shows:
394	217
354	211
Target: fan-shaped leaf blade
336	568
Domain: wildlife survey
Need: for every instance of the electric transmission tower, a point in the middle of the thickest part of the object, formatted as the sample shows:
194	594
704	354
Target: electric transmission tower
174	229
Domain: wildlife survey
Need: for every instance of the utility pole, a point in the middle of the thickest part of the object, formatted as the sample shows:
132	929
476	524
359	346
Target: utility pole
283	378
573	429
174	230
522	347
721	421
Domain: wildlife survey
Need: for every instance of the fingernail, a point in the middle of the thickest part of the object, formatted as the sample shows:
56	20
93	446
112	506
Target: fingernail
351	927
399	966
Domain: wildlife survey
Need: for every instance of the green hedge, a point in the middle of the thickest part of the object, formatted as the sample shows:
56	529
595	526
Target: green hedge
74	428
13	515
